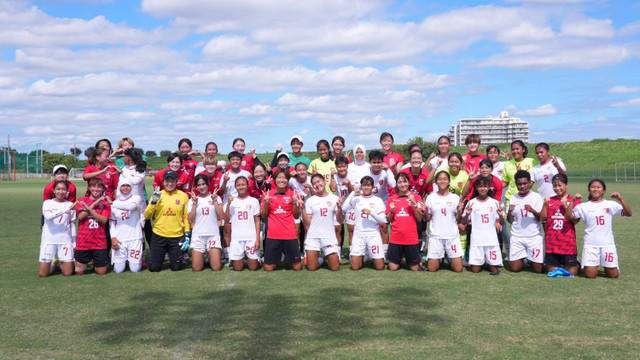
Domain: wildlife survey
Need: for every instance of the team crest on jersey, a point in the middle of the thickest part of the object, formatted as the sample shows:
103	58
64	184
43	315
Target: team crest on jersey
499	172
329	203
287	200
248	206
421	181
490	209
449	203
243	163
210	202
177	201
371	204
460	184
380	182
606	210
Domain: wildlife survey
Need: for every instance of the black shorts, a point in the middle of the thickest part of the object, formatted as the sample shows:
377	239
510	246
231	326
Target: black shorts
100	257
274	248
411	254
560	260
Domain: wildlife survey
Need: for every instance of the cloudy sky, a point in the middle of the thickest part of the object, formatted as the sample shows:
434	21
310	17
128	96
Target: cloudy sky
211	70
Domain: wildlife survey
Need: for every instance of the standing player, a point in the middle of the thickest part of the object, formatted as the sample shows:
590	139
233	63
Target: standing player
444	212
60	173
57	237
473	157
188	164
599	245
243	215
435	163
359	168
93	214
519	161
392	160
100	167
341	186
246	161
126	228
300	183
280	206
295	156
486	214
325	164
205	218
174	162
210	149
168	209
337	143
543	173
403	213
526	232
369	213
560	234
319	214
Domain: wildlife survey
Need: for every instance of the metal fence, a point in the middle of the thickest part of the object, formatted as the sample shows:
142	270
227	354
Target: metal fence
628	172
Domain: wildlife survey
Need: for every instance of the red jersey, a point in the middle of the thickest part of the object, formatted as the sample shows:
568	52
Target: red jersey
472	162
348	157
403	227
189	167
560	233
496	186
91	233
393	155
48	192
214	182
110	179
418	183
281	226
183	181
255	189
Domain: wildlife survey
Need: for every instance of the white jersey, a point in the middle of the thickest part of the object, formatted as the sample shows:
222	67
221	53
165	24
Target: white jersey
357	172
299	188
543	175
125	219
206	221
598	221
342	191
243	212
484	215
524	223
57	222
443	209
322	210
231	184
367	224
433	165
380	182
498	170
408	165
136	179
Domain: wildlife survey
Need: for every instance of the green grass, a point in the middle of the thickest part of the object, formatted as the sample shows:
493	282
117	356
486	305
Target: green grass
325	315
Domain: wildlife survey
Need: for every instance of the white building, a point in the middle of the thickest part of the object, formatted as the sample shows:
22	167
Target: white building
492	130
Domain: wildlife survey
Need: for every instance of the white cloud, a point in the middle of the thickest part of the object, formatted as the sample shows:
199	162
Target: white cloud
628	103
588	28
624	89
544	110
229	48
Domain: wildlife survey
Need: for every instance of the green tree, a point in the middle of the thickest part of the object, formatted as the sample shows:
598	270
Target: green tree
165	153
151	153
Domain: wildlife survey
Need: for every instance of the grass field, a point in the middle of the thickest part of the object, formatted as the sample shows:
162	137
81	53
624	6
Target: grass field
321	315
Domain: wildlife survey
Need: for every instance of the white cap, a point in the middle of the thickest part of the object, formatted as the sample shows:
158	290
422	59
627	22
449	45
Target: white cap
60	166
296	137
283	154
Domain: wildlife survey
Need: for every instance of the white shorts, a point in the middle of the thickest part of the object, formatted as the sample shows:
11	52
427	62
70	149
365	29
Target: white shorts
369	245
438	246
297	220
327	245
204	243
607	256
531	248
238	249
48	252
480	255
130	250
350	217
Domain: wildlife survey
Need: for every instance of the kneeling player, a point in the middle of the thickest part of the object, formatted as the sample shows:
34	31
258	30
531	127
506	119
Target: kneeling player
369	213
486	214
526	232
319	213
126	229
443	211
205	215
59	215
93	214
243	215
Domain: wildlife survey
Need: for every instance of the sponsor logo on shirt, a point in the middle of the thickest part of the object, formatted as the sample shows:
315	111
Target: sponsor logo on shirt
169	212
279	210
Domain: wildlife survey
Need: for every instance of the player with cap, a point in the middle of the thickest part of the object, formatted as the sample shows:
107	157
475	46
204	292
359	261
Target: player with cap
171	230
295	156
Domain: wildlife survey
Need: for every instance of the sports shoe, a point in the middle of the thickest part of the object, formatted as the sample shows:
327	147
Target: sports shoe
55	264
465	263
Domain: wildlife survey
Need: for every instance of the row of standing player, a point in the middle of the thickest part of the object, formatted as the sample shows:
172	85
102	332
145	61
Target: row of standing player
519	161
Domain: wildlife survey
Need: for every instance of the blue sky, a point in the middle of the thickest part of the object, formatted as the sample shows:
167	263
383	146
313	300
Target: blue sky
72	72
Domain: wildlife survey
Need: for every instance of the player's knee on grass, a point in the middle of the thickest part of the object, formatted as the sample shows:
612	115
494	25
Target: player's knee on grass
476	269
67	268
80	268
612	273
516	265
269	267
119	267
102	270
135	267
155	266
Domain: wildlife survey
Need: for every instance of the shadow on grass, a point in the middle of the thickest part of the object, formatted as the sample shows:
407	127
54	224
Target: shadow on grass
282	324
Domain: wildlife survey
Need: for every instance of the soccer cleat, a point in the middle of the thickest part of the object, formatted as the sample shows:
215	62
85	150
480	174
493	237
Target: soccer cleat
55	264
465	263
495	273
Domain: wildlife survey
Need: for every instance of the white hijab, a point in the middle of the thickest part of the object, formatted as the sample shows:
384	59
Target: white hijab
361	147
